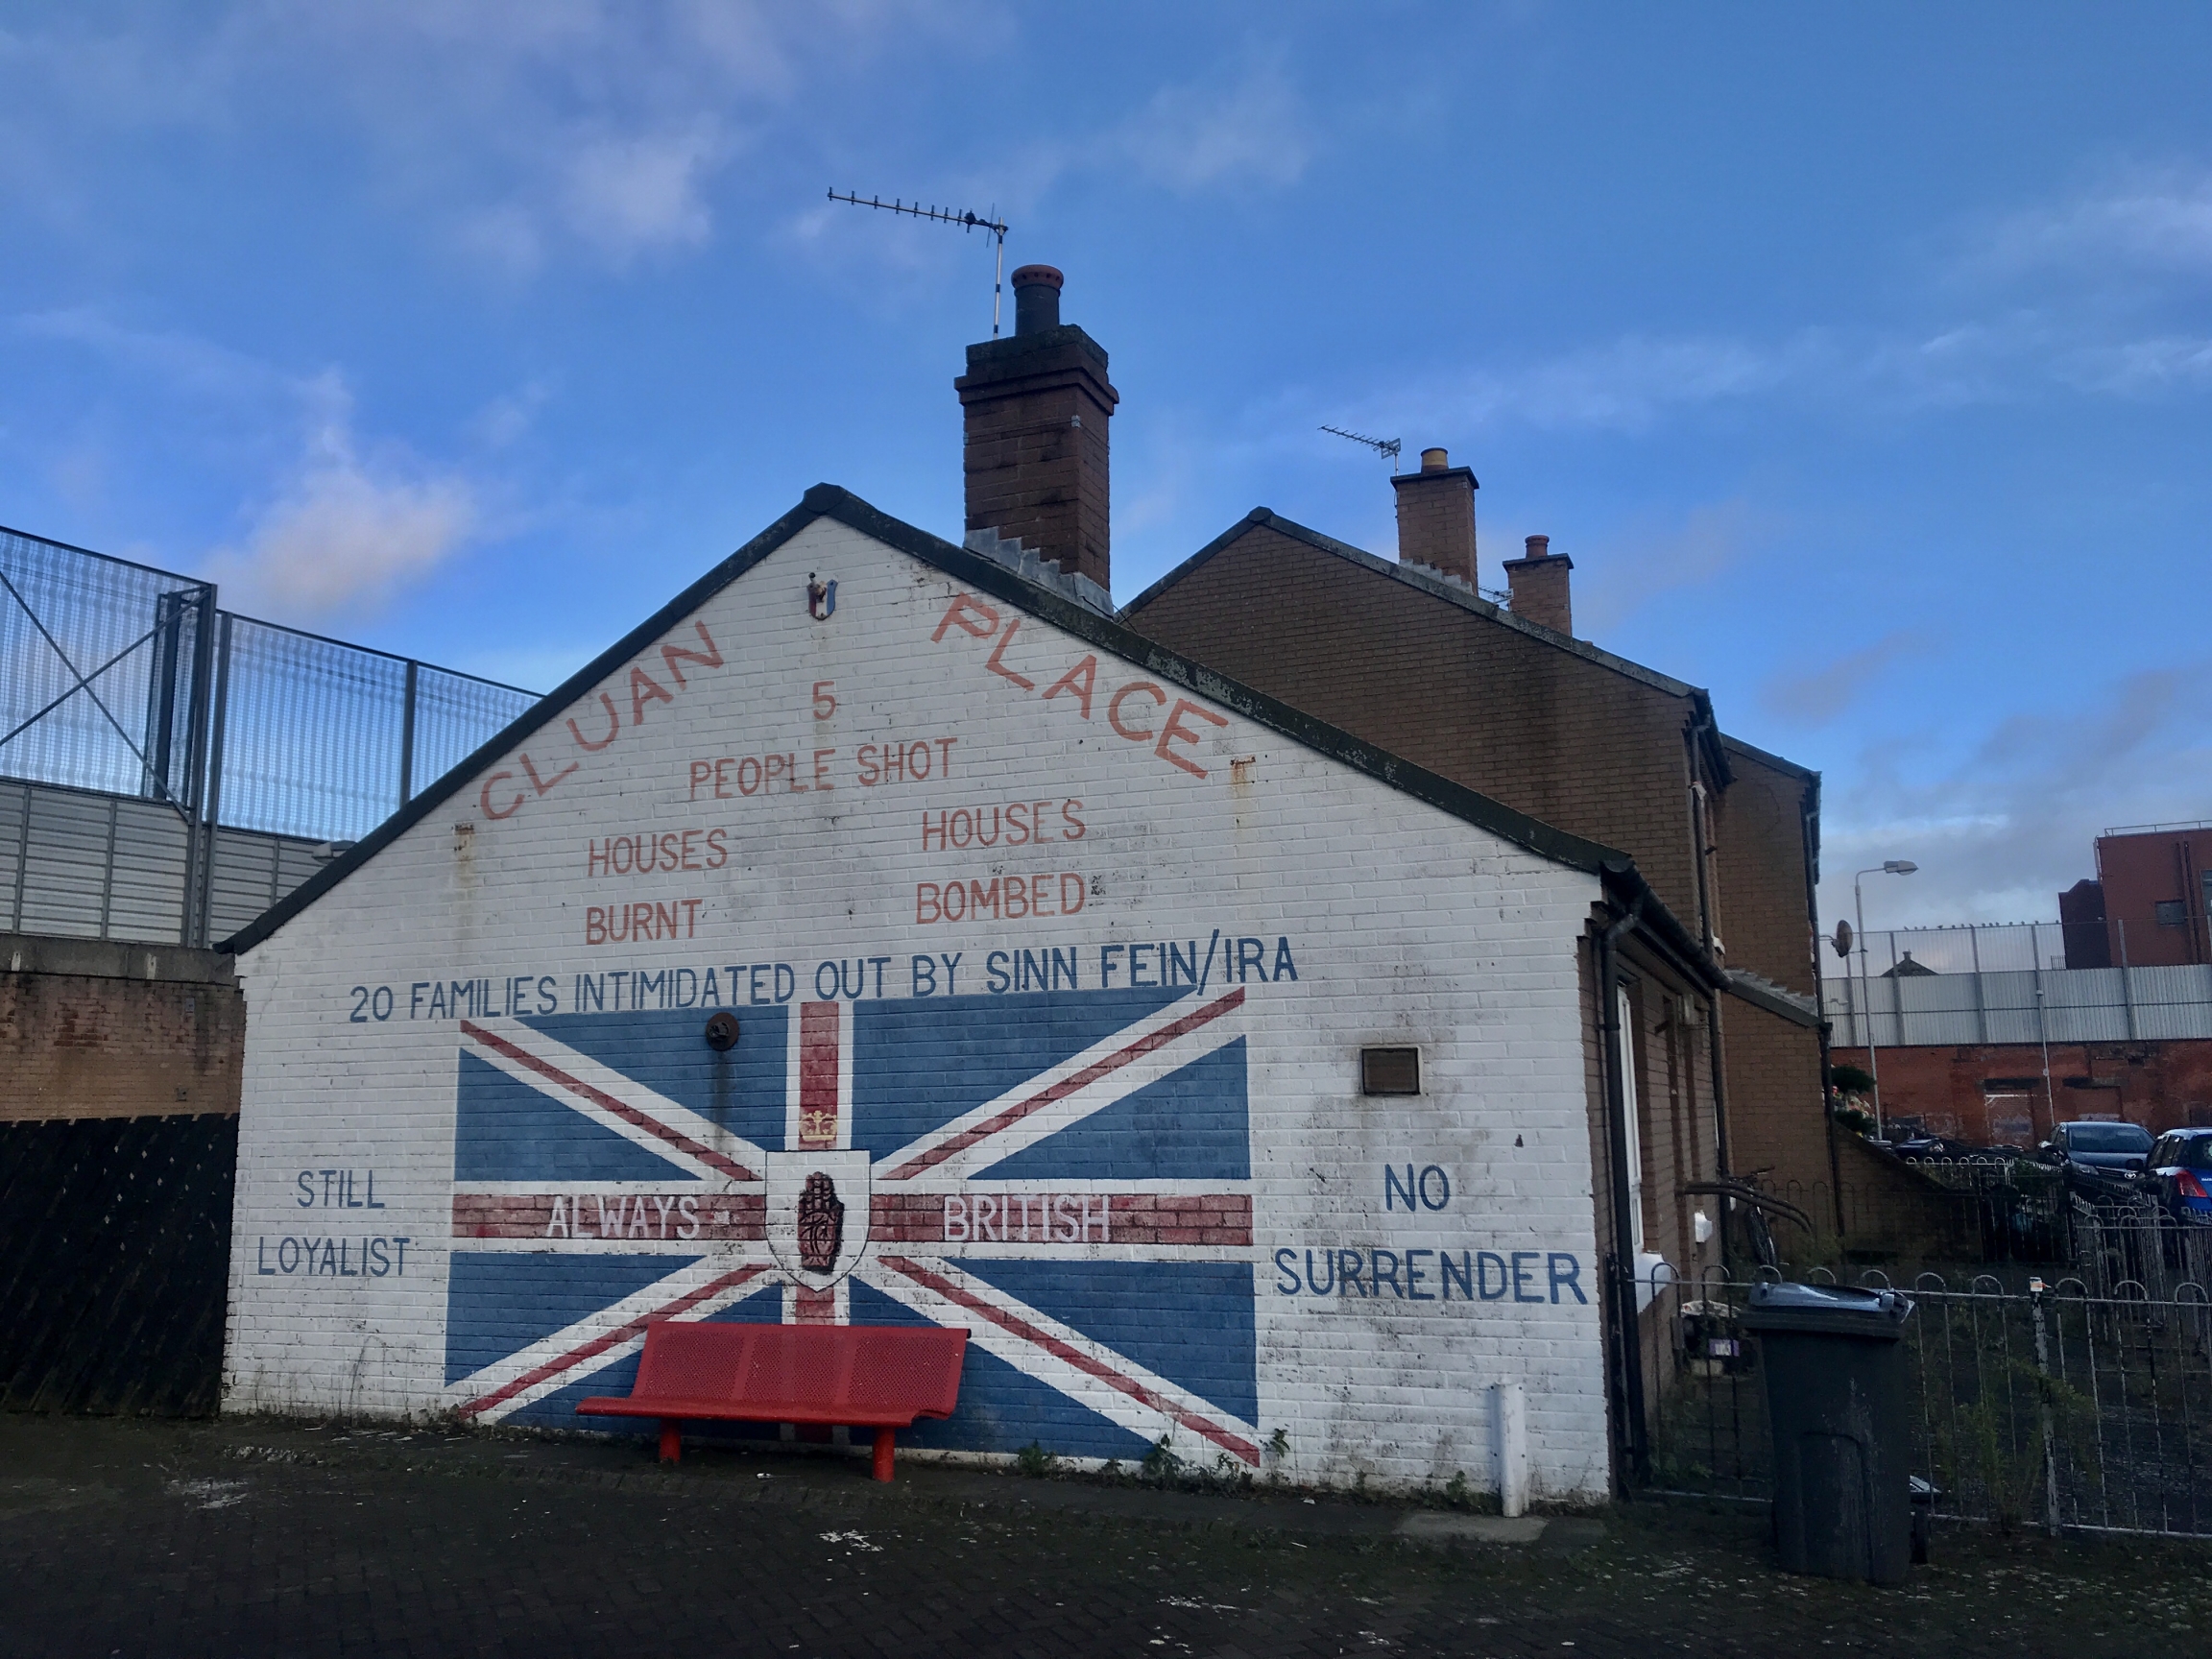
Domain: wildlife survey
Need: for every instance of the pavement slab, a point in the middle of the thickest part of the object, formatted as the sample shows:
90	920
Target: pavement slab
250	1537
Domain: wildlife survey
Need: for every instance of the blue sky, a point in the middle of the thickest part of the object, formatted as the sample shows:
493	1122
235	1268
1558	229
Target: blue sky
1861	356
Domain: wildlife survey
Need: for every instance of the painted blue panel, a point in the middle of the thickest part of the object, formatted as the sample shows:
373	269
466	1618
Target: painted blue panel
1192	1124
1001	1410
558	1410
761	1308
741	1091
1190	1322
919	1064
505	1130
498	1302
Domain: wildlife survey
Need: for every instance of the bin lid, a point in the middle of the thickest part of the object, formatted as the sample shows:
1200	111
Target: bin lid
1828	1310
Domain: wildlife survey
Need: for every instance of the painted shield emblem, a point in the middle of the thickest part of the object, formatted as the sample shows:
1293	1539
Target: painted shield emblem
817	1214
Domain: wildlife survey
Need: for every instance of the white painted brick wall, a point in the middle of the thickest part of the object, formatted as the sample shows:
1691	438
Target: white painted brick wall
1409	927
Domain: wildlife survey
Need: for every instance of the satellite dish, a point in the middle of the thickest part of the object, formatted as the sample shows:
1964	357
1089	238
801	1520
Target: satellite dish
1842	939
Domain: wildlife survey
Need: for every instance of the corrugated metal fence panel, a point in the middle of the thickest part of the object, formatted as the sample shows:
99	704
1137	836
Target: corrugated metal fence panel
65	884
2172	1002
245	878
252	873
78	865
295	861
146	890
15	819
2058	1005
114	1261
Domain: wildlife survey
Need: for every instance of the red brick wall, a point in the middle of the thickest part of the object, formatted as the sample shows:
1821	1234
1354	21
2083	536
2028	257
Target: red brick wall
1676	1135
2159	1085
1436	522
1034	453
1569	741
1765	918
101	1045
1777	1128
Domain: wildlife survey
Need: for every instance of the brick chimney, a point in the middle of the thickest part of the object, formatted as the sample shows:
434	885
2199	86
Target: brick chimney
1034	445
1539	585
1436	518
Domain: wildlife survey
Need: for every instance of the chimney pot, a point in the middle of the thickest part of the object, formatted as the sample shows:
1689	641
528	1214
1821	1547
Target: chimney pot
1539	584
1037	299
1435	461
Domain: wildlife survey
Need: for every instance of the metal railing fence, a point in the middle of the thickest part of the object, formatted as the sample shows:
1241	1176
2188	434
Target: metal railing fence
128	681
2084	1404
99	654
1974	947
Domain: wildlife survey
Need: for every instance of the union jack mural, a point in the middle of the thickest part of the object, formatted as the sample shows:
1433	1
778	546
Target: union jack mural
1065	1174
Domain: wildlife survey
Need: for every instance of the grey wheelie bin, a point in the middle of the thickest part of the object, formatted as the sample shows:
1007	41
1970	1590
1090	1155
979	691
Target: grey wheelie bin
1835	1363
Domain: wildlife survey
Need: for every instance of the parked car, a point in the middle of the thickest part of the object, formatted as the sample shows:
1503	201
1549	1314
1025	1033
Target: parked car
2180	1176
2103	1160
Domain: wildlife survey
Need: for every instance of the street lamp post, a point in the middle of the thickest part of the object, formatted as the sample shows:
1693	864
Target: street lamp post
1887	867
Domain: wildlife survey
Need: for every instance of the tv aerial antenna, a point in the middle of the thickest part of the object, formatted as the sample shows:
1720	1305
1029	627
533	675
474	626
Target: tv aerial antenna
1386	448
966	220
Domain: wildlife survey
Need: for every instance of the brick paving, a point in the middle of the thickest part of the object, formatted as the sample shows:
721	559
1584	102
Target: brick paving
174	1539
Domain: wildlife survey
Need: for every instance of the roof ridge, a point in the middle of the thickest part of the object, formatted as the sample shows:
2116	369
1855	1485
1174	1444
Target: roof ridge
1414	576
991	575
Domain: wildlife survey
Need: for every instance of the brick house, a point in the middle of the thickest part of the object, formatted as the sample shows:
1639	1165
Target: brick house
1235	1081
1505	699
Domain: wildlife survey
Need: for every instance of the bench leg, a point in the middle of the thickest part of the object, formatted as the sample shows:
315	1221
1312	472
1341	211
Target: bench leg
884	1439
671	1440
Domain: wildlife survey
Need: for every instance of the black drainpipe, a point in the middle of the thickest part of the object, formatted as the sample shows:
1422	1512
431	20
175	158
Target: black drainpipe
1623	1274
1719	1105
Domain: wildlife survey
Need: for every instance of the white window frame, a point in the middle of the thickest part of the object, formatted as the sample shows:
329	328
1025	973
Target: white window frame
1630	1114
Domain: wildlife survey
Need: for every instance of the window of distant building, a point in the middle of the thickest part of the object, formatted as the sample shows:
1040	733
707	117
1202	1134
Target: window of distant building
2172	913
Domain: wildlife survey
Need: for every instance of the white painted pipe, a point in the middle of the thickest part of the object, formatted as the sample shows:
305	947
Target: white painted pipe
1509	1443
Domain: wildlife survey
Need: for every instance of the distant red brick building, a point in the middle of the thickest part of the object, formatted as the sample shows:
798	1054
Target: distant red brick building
2153	895
1996	1046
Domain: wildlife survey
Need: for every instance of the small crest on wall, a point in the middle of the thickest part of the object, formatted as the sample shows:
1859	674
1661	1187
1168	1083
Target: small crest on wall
821	597
817	1204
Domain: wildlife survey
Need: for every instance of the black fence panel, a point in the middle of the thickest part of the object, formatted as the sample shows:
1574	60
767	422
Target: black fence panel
115	1264
2061	1406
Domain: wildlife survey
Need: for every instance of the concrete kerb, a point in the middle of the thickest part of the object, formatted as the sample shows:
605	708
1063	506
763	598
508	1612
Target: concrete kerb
827	1479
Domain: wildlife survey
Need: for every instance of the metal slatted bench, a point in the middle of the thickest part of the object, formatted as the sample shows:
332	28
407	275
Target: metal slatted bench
880	1377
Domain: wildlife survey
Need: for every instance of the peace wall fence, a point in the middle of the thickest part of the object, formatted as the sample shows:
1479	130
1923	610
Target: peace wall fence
2021	1005
169	769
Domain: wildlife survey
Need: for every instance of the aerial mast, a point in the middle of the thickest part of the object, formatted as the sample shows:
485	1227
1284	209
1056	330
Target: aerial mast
1386	448
966	220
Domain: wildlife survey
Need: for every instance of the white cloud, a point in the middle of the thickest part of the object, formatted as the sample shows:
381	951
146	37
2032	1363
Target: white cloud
518	131
182	362
345	534
1999	831
638	193
2140	367
2147	219
1198	137
1638	381
507	419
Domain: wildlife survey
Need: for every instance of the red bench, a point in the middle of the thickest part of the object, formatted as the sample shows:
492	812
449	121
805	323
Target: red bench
880	1377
